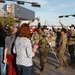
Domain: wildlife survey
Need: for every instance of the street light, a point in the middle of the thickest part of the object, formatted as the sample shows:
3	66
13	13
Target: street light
32	3
73	15
66	16
36	5
60	16
20	2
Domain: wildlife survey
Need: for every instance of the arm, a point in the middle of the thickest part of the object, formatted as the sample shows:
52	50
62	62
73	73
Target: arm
30	21
39	27
62	43
5	55
30	52
5	51
72	38
55	29
32	39
62	25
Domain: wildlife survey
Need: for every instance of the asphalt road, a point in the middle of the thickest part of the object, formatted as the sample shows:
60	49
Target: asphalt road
50	66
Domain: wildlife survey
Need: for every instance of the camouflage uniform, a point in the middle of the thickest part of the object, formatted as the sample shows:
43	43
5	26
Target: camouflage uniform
71	42
50	35
61	51
43	48
71	45
35	38
58	35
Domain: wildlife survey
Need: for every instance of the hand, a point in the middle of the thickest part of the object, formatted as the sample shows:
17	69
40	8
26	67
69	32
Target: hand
35	46
37	18
5	60
34	50
59	21
71	38
52	26
31	21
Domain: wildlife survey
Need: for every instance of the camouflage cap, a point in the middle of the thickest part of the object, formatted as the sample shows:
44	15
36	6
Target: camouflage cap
63	30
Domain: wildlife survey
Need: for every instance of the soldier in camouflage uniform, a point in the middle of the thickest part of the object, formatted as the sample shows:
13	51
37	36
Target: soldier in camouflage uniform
43	46
50	36
35	37
58	35
61	50
71	44
71	41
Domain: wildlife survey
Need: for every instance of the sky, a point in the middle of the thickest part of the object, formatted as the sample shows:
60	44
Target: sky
50	11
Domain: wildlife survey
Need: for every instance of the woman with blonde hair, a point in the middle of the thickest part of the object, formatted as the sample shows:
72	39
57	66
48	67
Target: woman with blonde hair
9	56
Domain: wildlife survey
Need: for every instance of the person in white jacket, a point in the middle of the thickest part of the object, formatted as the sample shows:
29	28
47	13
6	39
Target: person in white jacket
24	51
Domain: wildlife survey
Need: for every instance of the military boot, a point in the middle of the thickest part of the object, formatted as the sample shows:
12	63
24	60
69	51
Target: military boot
60	68
42	68
65	64
71	60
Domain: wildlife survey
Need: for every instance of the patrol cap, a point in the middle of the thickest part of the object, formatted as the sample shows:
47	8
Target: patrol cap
63	30
72	25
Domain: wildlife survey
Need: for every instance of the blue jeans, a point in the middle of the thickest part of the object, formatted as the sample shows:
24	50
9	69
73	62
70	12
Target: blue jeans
1	63
23	70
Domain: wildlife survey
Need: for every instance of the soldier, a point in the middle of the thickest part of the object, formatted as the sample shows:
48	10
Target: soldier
35	37
43	46
71	41
61	50
58	35
50	36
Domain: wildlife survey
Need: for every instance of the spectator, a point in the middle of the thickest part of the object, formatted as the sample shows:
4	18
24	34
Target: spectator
24	51
9	56
2	43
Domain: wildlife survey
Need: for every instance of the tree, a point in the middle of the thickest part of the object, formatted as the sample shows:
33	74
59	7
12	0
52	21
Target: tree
7	20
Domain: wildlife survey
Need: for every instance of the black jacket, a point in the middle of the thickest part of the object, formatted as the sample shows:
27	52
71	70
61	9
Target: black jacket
2	37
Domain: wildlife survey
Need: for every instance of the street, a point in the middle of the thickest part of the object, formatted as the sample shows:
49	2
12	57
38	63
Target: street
50	66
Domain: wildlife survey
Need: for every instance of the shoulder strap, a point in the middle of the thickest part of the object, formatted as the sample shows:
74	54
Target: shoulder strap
13	44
